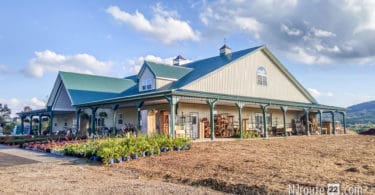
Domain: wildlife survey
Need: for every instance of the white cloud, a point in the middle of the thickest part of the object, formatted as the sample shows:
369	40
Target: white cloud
49	61
341	33
322	33
35	102
316	93
134	65
164	26
17	105
290	31
3	69
248	24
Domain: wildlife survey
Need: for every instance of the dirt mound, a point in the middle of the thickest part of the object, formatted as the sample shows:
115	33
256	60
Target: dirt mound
368	132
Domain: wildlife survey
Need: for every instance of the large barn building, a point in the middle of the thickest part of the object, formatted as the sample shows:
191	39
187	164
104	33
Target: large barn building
226	95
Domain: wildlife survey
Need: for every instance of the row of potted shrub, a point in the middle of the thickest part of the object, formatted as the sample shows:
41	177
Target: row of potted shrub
112	150
46	146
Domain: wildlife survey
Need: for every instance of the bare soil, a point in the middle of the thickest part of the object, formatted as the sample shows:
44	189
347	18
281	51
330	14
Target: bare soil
268	166
240	167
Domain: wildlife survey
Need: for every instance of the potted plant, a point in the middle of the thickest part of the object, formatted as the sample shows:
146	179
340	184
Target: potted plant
126	153
106	154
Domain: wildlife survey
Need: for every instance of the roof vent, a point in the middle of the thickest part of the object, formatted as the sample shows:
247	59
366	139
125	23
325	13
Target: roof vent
178	61
225	50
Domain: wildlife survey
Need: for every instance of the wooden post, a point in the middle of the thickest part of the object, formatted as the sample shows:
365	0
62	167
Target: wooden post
344	121
211	103
93	113
333	123
51	122
172	100
321	122
284	110
139	105
22	124
40	125
240	105
114	108
31	124
78	114
307	121
264	112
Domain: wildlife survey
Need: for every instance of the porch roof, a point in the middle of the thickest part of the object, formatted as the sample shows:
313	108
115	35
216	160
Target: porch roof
206	95
43	112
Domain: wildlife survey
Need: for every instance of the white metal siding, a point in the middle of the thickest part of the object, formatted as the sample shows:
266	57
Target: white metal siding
54	91
239	78
63	101
60	120
146	75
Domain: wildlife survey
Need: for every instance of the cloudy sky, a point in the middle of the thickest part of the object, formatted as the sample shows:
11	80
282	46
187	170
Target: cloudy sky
329	46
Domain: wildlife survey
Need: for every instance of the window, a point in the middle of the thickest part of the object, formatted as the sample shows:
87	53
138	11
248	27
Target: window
120	119
262	76
259	120
100	122
146	84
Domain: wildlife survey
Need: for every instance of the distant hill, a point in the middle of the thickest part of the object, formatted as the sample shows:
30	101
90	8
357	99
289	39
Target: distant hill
362	113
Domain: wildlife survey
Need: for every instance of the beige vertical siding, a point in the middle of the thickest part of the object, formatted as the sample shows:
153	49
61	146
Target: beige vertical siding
162	83
129	116
239	78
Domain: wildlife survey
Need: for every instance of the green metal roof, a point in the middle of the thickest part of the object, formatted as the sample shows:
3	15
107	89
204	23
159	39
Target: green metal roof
84	88
89	89
167	71
95	83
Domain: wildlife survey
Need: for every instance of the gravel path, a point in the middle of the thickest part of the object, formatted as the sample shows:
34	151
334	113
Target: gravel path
28	172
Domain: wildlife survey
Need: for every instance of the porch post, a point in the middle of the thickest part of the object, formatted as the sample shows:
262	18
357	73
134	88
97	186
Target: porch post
211	103
333	123
240	105
139	105
172	100
22	124
78	117
264	112
51	122
307	121
320	121
93	113
344	121
31	124
284	110
40	125
114	108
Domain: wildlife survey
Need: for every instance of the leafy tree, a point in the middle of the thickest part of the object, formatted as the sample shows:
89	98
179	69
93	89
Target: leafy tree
4	113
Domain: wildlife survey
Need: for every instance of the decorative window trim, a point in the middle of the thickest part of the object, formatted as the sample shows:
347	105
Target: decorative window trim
146	84
261	76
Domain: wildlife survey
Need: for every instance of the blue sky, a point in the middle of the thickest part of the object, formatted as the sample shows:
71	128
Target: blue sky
329	46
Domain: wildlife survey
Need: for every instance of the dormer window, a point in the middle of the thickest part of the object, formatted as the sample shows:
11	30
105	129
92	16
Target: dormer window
146	84
262	76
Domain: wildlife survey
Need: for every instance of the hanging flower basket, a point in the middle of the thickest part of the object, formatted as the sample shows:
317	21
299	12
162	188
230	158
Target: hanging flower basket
85	116
103	114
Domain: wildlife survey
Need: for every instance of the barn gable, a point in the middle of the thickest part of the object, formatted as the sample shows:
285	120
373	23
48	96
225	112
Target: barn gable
59	98
240	78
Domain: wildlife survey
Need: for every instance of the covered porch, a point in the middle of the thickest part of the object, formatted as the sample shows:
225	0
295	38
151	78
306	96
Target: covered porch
198	116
